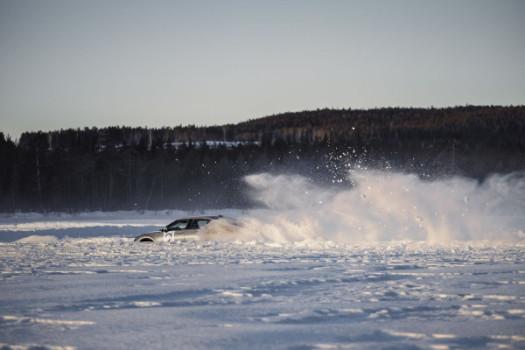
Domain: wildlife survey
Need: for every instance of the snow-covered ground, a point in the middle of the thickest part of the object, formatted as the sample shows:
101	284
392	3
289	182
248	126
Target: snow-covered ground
303	274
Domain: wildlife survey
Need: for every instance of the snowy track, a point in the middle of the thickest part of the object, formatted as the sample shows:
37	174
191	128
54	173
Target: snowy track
112	293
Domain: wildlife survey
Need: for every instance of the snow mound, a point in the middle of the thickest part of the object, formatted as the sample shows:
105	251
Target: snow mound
35	239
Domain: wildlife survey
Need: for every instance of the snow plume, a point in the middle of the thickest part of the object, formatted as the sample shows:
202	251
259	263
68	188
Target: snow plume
387	206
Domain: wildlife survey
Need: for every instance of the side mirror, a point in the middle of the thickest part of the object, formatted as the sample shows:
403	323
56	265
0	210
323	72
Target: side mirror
164	229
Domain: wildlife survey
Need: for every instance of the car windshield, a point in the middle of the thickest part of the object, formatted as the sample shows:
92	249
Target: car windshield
177	225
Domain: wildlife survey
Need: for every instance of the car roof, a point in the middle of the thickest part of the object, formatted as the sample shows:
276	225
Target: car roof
207	217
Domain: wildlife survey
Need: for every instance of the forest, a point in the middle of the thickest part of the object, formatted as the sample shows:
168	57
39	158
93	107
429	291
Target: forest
198	167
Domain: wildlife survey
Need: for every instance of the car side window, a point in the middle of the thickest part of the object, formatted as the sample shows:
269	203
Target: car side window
202	223
193	225
178	225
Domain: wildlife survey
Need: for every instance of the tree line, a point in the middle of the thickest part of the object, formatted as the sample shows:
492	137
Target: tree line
190	167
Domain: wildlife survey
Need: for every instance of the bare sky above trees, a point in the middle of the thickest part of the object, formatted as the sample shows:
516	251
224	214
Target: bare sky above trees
153	63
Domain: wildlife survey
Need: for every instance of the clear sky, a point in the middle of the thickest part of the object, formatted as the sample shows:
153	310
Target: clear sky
66	63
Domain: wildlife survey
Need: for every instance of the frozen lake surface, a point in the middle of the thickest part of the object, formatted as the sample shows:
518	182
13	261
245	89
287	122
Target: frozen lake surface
104	291
393	262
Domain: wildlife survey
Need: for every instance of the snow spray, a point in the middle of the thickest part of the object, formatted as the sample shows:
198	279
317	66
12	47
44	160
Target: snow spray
386	206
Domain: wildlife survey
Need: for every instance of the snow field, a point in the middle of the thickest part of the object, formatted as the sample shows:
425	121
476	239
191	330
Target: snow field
112	293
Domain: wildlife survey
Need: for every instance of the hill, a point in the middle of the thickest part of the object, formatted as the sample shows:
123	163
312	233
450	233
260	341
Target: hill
202	167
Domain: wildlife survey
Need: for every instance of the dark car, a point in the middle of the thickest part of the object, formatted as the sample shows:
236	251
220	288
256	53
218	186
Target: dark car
180	228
